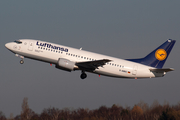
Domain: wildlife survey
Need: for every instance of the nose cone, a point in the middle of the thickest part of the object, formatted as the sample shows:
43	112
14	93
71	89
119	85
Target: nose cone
7	45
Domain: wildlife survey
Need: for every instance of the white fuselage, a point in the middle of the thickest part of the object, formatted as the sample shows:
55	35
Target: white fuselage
49	52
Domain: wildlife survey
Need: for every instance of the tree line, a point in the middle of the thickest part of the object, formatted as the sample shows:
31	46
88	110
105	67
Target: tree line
140	111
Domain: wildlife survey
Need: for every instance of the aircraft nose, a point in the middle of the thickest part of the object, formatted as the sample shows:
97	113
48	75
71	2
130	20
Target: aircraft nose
7	45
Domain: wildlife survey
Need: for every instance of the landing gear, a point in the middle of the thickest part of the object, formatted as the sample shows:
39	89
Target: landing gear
83	75
22	58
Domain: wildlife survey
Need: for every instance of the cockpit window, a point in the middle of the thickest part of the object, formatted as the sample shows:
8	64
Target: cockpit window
18	41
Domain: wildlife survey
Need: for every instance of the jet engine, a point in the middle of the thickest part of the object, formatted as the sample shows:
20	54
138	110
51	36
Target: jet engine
65	64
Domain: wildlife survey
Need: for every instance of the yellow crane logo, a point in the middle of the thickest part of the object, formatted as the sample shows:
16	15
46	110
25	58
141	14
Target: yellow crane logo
160	54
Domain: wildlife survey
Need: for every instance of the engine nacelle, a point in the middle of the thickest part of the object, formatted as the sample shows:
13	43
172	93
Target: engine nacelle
65	64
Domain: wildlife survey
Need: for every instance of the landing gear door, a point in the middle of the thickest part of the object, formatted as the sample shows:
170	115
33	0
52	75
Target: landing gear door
31	45
135	70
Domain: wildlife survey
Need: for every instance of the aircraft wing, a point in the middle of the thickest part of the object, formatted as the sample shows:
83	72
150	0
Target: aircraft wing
162	70
92	65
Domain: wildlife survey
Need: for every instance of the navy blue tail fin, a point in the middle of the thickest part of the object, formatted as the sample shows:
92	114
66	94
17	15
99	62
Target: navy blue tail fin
157	57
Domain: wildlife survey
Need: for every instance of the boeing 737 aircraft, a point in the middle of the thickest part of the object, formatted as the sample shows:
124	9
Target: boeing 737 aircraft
70	59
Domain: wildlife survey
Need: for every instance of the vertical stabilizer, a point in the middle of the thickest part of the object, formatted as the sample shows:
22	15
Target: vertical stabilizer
157	57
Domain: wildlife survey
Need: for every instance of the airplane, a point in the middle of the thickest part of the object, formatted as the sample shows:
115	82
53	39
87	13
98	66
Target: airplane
71	59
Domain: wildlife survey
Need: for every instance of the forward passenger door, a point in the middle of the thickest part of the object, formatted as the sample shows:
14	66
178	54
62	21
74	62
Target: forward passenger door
31	45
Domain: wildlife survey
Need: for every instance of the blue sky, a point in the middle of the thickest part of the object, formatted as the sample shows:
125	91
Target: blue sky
123	29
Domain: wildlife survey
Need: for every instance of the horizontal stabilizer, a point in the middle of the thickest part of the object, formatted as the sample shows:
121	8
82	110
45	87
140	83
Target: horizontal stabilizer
162	70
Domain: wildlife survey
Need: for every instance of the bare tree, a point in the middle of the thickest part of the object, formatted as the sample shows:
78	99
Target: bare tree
11	117
26	112
2	116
